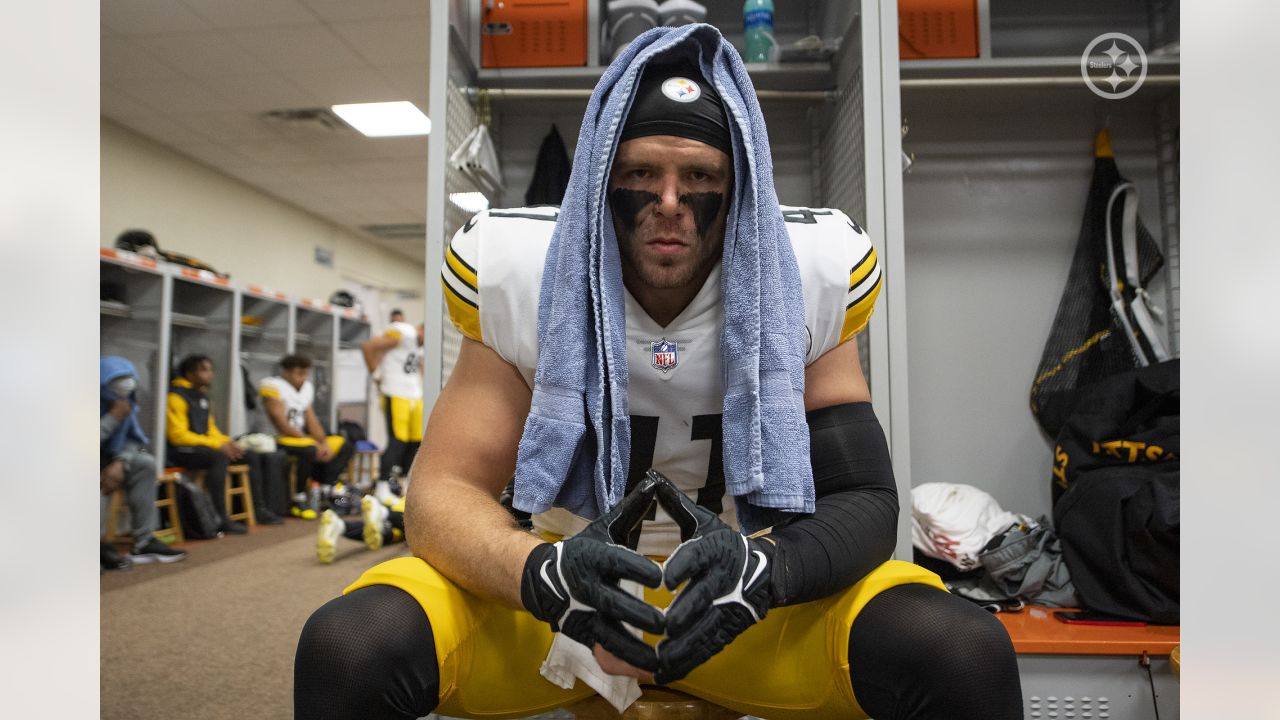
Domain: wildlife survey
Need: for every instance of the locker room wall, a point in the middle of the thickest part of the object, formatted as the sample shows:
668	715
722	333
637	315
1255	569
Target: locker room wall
198	211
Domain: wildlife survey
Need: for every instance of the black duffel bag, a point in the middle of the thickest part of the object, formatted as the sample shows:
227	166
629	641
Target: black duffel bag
1116	495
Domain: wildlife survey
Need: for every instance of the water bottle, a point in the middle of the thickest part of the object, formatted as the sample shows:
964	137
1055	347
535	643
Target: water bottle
757	25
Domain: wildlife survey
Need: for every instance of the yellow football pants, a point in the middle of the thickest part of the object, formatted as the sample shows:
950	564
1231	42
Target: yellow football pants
404	417
793	664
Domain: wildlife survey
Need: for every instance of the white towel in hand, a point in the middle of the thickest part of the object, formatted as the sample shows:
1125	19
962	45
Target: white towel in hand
569	659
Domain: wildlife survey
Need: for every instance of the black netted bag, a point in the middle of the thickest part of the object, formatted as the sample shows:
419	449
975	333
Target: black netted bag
1087	341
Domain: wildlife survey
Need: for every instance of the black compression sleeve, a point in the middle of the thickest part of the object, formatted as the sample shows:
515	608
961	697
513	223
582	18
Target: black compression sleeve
854	526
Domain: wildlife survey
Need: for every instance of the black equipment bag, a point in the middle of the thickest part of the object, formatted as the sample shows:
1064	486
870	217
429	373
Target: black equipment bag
352	431
200	520
1116	495
1104	322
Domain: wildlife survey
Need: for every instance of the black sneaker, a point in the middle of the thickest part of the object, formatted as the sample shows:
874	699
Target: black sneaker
155	551
231	527
112	560
266	517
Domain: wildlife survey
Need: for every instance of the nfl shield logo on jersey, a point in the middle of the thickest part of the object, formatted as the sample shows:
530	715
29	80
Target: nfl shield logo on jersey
664	355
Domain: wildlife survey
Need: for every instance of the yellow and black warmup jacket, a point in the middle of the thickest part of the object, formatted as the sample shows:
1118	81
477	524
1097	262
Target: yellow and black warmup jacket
189	421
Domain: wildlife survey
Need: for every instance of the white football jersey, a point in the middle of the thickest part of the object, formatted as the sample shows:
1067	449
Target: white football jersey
401	366
492	279
296	400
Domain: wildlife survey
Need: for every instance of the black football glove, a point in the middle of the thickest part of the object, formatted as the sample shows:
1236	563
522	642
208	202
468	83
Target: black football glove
572	585
728	588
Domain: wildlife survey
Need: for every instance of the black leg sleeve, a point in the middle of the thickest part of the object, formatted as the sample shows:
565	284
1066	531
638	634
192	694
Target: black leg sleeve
921	653
369	654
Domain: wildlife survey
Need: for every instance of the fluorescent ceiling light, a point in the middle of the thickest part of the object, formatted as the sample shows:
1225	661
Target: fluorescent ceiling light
385	119
472	202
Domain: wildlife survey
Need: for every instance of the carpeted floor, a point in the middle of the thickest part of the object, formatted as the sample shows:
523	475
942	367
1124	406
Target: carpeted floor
213	637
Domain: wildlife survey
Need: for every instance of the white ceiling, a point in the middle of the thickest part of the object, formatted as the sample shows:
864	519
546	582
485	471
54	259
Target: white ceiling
196	75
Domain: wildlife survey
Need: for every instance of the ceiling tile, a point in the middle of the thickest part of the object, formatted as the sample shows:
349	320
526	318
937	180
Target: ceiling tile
344	147
148	17
298	48
117	104
347	85
175	96
252	13
409	249
412	169
120	58
389	42
339	10
195	75
416	205
399	147
207	54
225	126
274	152
404	194
260	93
161	129
320	176
412	81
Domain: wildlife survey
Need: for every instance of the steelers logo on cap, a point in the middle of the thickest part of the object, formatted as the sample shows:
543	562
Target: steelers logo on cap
681	89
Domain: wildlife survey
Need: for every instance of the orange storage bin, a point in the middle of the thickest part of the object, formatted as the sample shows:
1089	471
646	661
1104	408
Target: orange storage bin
533	33
937	29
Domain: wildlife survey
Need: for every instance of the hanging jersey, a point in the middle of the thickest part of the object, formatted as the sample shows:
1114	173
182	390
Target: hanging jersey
492	279
295	400
401	366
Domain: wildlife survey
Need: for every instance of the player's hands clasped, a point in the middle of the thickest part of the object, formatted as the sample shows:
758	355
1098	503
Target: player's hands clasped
572	585
728	587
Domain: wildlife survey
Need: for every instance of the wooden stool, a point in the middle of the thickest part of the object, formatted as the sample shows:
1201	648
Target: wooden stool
237	486
117	510
655	703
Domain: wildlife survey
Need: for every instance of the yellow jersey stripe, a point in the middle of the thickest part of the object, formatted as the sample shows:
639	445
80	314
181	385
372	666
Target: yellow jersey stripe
862	268
461	269
269	392
858	312
464	313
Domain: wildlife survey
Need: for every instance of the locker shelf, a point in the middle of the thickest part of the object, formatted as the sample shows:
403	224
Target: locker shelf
1019	71
765	76
112	308
193	322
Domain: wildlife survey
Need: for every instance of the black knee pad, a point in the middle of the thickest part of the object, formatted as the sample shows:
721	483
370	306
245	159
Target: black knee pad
368	654
919	652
